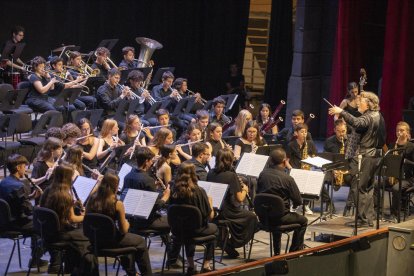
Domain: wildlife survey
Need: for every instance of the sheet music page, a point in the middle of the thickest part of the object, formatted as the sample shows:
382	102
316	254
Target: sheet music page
125	169
83	187
252	164
130	201
309	182
212	162
145	204
316	161
216	190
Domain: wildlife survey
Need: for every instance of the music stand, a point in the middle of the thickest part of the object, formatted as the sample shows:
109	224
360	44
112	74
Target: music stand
231	140
266	150
93	83
151	113
72	48
230	101
158	75
12	50
133	104
125	73
179	106
121	111
13	99
108	43
93	115
67	97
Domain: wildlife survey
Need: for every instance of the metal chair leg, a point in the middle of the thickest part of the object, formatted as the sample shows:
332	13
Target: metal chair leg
11	255
18	252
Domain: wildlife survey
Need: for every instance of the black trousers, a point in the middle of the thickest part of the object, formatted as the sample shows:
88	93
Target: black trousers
298	234
395	189
141	256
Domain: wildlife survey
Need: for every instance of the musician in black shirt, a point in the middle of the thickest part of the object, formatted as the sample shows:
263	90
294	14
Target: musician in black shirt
128	62
295	149
217	115
101	62
287	133
17	35
135	81
201	154
164	92
275	180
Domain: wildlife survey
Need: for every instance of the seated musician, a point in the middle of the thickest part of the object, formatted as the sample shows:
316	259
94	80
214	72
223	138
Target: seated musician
163	119
240	123
89	144
128	62
242	223
76	67
72	133
403	140
55	132
298	149
287	133
200	157
181	84
135	81
110	93
217	115
263	118
214	141
192	135
186	191
140	178
101	62
105	201
164	92
163	137
108	141
12	190
203	119
131	130
249	141
79	81
60	198
73	158
274	180
163	163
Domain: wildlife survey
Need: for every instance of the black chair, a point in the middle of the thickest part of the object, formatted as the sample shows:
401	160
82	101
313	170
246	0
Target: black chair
6	232
47	226
224	230
270	208
8	124
408	193
101	231
185	221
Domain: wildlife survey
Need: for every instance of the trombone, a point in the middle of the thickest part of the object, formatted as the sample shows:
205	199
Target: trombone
108	61
192	94
84	69
67	80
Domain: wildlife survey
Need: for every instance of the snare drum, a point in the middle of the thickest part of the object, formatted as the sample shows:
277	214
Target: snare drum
13	78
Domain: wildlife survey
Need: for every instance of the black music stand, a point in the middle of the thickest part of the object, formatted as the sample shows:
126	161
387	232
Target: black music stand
231	140
158	75
192	105
151	113
133	104
115	155
266	150
13	99
93	83
93	115
179	106
12	51
125	73
108	43
67	48
230	101
121	111
67	97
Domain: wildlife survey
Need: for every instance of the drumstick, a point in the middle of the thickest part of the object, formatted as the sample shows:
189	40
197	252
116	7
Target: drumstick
328	102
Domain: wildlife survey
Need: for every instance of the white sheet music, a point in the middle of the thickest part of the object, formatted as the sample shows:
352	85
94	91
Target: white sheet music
125	169
216	190
252	164
316	161
309	182
139	203
83	187
212	162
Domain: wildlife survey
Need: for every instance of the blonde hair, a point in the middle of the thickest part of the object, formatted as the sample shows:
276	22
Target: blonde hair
241	122
107	127
406	125
372	100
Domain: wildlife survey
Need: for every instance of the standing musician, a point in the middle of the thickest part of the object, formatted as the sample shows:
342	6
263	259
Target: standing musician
17	35
200	156
240	123
287	133
214	141
235	84
12	190
162	166
101	62
242	223
403	140
249	141
139	178
363	141
135	82
203	119
129	61
110	94
274	180
192	135
89	144
264	116
217	115
349	104
108	140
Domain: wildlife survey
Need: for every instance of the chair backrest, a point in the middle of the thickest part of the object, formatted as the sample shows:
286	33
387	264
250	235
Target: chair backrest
46	223
51	118
268	207
23	85
8	123
24	123
184	220
5	214
99	229
4	88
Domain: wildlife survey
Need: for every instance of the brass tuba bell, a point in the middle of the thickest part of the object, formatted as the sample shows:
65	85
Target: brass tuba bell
148	46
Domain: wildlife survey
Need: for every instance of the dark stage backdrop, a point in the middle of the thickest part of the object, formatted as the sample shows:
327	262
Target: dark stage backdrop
200	37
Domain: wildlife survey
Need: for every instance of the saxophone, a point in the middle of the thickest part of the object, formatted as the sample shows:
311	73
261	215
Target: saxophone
393	180
339	174
305	166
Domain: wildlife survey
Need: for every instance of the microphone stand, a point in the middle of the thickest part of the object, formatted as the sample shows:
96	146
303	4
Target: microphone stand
357	195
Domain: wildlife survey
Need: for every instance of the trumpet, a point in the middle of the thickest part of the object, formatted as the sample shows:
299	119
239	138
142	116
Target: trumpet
191	93
59	76
178	97
150	98
131	95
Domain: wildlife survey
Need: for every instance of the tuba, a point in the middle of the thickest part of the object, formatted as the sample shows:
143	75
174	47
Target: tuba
148	46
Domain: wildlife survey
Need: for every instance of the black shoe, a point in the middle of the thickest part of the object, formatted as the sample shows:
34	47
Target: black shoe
38	263
53	269
191	271
231	252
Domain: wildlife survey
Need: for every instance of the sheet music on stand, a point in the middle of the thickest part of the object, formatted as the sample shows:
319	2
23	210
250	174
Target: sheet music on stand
83	187
139	203
125	169
309	182
316	161
216	190
251	164
212	162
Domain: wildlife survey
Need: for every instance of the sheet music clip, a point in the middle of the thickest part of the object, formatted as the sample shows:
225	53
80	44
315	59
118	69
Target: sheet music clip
12	51
108	43
156	79
125	73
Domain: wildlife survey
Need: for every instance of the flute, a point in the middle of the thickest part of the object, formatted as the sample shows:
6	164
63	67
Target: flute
136	139
152	127
33	184
83	137
57	163
189	143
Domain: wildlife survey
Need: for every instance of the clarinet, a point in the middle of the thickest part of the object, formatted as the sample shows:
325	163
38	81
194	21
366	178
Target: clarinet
33	184
153	173
249	199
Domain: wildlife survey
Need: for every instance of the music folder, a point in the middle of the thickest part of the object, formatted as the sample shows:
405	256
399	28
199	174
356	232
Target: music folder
139	203
125	169
216	190
83	187
309	182
251	164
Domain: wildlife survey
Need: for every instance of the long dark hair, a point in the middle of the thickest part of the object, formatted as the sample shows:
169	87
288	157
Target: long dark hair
48	147
224	160
185	182
165	152
103	201
212	127
253	124
74	157
160	137
259	117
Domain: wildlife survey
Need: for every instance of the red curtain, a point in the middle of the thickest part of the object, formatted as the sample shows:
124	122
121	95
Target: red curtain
398	67
347	53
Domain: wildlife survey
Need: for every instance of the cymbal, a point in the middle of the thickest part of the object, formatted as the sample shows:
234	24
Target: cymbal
60	49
